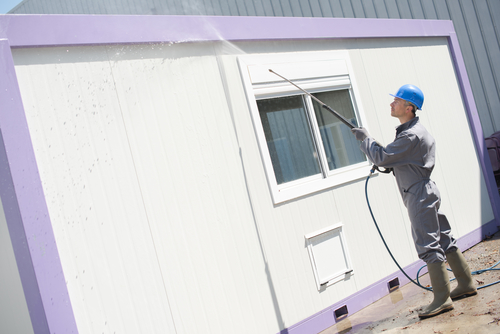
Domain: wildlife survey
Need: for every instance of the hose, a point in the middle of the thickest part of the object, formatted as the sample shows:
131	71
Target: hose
417	282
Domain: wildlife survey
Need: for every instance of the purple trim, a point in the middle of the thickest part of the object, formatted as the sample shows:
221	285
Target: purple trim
475	124
23	198
474	237
26	212
361	299
9	198
50	30
356	302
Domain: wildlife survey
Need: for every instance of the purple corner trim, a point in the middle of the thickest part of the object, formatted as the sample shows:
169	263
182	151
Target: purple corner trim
23	198
9	197
26	212
475	124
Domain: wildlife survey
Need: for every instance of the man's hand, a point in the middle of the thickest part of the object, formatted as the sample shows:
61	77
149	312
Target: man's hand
360	133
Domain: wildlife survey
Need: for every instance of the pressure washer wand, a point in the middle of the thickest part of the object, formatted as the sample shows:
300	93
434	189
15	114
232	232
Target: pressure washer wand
342	118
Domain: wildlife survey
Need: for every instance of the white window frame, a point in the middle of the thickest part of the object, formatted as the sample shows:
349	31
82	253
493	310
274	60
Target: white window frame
316	259
314	72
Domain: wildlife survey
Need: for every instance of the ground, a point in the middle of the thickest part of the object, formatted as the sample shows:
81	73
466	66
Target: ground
397	312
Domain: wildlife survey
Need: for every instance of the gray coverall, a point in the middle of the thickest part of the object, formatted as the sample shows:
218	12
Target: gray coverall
412	156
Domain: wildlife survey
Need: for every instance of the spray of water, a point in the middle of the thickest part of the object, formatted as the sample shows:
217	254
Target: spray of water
226	53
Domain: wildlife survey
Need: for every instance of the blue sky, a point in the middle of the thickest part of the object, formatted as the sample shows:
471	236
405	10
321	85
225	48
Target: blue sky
6	5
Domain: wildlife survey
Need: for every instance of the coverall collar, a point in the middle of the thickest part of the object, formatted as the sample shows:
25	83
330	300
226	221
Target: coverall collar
407	125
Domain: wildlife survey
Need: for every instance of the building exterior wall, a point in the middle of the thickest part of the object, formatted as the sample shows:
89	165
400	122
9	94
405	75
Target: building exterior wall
152	205
157	195
373	63
476	23
418	61
144	187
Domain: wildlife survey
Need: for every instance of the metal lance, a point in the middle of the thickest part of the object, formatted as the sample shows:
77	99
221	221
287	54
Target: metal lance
342	118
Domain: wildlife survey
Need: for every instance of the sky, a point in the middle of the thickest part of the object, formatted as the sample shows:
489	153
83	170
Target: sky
6	5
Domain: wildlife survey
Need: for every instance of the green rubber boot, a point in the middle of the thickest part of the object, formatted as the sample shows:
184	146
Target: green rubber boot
460	268
441	289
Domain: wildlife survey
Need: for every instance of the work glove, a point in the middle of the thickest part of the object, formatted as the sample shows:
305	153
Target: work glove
360	133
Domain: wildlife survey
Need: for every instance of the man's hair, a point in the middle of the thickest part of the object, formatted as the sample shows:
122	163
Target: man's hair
414	108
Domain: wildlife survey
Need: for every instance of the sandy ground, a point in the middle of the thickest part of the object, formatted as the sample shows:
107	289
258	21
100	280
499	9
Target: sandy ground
397	312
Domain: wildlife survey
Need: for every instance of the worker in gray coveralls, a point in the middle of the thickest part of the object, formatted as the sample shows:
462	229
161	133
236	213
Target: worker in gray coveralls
412	156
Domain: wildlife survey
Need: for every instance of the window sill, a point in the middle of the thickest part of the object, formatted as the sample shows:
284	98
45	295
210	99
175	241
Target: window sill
284	193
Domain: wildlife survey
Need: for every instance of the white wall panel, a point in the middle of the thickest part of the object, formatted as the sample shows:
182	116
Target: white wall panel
381	67
188	164
284	226
87	171
145	190
457	173
158	196
427	65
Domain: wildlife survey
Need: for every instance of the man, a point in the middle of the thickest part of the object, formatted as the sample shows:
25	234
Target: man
412	156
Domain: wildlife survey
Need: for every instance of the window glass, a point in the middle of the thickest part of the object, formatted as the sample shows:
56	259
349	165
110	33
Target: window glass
289	134
289	138
341	147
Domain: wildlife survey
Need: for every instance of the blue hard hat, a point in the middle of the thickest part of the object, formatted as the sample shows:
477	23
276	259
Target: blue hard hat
411	94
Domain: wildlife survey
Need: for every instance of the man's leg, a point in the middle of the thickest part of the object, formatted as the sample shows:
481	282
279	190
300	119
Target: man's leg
456	260
460	268
441	290
446	240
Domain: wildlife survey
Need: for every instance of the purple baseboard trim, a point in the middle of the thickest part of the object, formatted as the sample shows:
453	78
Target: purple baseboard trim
476	236
363	298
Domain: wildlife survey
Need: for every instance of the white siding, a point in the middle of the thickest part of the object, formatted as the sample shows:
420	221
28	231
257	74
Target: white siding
144	187
187	161
93	195
427	65
158	196
381	67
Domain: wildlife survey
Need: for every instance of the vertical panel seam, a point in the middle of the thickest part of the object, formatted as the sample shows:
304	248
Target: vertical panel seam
397	8
140	188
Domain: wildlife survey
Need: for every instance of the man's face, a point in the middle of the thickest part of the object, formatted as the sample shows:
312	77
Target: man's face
398	108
